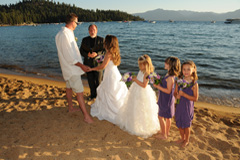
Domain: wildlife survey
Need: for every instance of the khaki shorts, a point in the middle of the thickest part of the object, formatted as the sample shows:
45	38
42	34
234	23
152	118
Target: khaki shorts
75	83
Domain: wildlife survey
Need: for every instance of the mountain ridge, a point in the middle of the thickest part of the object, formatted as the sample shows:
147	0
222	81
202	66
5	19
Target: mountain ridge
186	15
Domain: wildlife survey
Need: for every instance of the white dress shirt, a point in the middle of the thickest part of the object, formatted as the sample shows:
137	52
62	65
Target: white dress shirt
68	53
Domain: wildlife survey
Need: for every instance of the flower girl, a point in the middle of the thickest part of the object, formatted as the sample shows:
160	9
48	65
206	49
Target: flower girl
166	98
185	107
139	114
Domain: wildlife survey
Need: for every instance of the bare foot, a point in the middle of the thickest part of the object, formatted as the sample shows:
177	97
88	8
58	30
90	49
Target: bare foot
91	102
179	141
88	119
160	136
185	143
73	109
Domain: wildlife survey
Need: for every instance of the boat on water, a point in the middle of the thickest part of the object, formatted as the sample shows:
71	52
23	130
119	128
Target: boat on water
232	21
170	20
152	21
213	21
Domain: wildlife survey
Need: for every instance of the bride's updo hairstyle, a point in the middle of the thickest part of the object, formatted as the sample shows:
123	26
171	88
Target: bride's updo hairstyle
111	45
147	62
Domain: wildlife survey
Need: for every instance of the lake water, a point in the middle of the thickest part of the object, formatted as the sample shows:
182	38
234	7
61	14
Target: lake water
214	47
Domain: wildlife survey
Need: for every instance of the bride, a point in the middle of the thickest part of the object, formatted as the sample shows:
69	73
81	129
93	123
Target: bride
112	91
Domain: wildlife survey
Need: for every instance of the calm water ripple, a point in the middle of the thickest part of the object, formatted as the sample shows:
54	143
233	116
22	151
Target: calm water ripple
215	48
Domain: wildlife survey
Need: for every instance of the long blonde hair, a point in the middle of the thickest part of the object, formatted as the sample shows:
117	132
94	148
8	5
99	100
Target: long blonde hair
112	46
194	74
147	62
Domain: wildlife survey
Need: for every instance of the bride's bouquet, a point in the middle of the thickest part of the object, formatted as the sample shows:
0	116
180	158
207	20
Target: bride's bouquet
154	78
127	78
182	84
99	58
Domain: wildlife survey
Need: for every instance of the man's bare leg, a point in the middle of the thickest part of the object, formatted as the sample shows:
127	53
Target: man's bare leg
80	99
69	100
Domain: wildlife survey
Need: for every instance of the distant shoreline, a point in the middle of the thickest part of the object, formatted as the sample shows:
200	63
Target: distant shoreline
25	24
149	21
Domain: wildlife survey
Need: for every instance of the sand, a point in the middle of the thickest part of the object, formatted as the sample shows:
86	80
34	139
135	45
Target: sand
35	124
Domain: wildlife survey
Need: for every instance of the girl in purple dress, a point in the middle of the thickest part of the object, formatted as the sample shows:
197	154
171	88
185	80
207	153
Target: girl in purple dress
166	98
186	95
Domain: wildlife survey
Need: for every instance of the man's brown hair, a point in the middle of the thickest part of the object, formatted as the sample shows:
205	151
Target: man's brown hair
70	18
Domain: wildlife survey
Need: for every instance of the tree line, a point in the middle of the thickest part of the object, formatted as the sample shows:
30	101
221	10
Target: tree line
49	11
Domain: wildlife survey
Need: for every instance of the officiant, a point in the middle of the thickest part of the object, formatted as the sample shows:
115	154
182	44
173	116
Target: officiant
91	47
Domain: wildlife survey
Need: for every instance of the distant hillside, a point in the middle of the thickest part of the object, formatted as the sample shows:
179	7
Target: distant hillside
160	14
46	11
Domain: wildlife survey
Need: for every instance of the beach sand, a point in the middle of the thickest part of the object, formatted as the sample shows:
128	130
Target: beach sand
35	124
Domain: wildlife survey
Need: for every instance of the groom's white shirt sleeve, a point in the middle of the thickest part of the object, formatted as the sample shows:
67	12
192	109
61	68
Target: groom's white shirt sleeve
68	53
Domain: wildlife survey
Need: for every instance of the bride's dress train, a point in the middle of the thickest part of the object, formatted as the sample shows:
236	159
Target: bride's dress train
111	94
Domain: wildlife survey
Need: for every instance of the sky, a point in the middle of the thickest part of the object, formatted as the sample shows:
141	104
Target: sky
140	6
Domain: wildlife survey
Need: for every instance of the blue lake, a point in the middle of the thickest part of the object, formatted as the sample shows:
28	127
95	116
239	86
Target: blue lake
214	47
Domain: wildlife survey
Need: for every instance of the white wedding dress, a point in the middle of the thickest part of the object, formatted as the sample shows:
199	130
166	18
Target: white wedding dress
139	114
111	94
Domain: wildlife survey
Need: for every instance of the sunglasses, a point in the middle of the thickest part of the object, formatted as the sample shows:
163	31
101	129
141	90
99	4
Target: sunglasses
77	23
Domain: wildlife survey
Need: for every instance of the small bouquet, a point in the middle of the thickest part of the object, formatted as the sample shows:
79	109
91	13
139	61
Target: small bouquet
127	78
182	84
154	78
99	58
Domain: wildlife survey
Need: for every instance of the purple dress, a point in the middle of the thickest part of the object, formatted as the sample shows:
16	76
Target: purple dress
166	101
185	110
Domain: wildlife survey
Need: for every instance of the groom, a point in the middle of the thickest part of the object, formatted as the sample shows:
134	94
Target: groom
71	64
